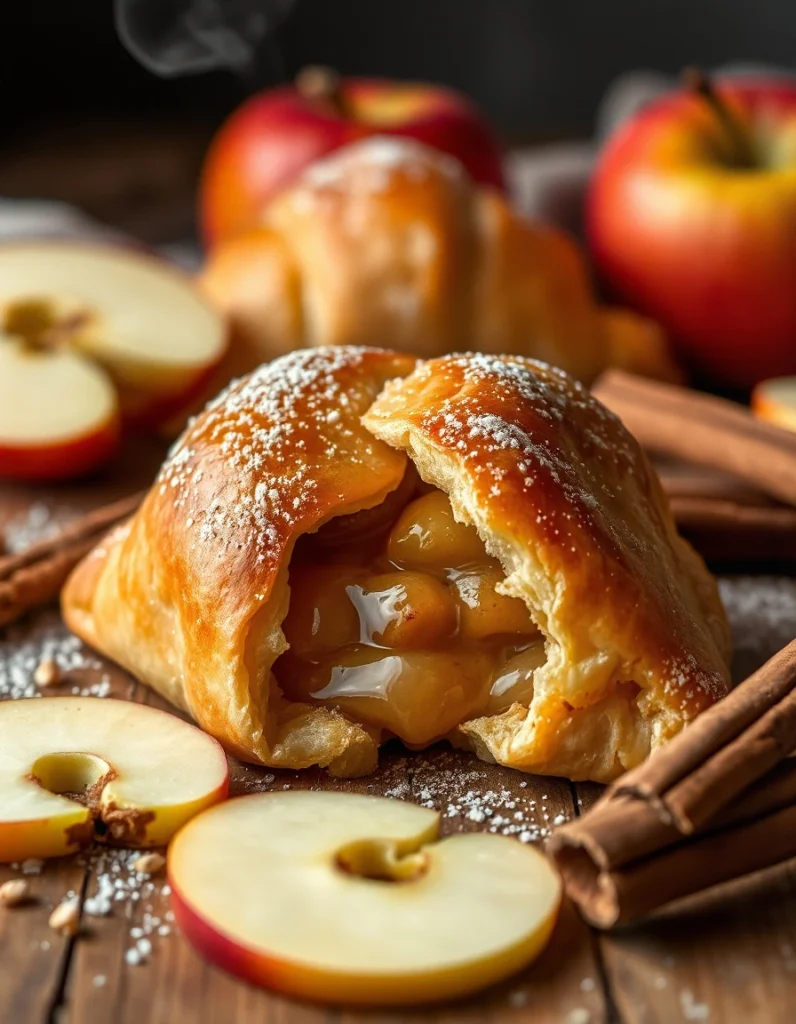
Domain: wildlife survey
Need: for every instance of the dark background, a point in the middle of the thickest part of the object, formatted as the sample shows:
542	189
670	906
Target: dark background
84	121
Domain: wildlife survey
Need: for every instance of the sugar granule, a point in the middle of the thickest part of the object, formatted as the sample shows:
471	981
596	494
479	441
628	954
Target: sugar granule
38	522
461	794
21	654
115	881
692	1009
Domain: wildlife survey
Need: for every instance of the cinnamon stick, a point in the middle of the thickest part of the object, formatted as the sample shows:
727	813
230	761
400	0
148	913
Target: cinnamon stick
612	896
717	802
725	519
736	531
703	512
728	747
35	576
704	430
683	480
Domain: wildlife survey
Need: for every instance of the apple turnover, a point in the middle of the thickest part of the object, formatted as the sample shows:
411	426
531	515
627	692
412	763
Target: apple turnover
348	546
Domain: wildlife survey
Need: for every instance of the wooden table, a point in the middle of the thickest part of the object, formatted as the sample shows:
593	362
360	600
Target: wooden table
723	957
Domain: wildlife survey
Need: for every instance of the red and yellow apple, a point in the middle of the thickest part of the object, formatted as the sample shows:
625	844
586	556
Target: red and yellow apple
355	899
692	219
274	135
94	338
75	769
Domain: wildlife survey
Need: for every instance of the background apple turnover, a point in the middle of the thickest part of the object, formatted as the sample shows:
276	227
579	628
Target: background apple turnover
387	238
348	546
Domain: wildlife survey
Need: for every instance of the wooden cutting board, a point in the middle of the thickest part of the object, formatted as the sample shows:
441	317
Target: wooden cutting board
722	957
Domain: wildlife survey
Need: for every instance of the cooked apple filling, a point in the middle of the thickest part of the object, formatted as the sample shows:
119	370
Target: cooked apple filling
399	623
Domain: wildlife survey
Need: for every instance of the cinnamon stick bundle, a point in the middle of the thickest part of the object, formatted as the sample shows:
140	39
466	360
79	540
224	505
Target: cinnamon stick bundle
716	803
703	430
36	575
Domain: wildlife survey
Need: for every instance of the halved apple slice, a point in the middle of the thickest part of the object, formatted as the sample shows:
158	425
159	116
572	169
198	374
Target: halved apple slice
77	768
142	320
775	400
354	899
59	415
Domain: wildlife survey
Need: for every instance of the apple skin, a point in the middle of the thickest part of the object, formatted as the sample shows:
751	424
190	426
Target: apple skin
44	838
707	249
150	405
324	986
77	457
275	134
151	413
66	830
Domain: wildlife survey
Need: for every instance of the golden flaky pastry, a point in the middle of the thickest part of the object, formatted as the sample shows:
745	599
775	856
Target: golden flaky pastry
390	239
346	547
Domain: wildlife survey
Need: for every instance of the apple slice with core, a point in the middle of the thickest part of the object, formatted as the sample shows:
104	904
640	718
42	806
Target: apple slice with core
73	769
59	414
351	899
775	400
140	319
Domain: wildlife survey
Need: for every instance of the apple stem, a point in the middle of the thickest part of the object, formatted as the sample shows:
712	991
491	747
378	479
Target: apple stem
701	85
323	85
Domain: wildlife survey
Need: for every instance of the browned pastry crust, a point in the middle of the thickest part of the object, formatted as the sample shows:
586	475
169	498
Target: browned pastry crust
388	239
191	594
567	501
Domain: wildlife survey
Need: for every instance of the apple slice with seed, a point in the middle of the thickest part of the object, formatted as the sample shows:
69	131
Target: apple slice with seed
77	768
59	414
140	324
355	899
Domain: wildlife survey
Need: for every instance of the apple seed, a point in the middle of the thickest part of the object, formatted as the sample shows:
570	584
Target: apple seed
14	892
65	918
149	863
47	673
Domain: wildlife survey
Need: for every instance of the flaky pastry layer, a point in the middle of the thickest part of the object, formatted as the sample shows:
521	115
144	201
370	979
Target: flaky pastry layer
567	501
190	595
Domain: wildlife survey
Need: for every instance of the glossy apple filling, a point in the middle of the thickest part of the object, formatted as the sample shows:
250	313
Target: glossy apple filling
395	619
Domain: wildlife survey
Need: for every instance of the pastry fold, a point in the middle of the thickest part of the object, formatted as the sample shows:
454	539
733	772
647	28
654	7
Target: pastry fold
637	639
190	595
387	239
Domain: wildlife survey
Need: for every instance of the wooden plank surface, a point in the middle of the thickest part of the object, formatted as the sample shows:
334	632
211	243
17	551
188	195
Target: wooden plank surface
720	957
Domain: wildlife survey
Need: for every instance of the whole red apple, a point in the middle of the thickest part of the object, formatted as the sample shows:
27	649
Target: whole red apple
691	218
271	138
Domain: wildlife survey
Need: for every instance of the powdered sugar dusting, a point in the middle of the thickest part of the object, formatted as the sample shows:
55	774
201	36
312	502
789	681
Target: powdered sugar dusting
270	431
370	165
470	798
21	654
762	613
536	444
542	400
692	1008
118	889
37	523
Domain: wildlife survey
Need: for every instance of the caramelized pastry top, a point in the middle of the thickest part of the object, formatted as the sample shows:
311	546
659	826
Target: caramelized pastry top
191	595
280	451
321	449
566	499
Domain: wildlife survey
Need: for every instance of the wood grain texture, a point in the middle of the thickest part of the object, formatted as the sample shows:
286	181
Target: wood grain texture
723	957
175	984
33	958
